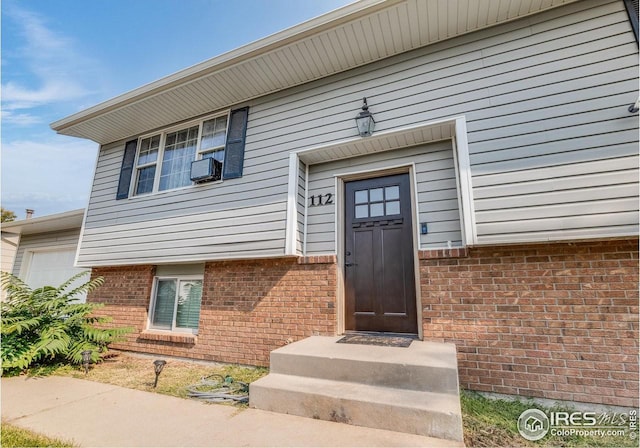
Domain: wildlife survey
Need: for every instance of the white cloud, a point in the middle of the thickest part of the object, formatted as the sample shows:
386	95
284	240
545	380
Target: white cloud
8	117
49	176
57	70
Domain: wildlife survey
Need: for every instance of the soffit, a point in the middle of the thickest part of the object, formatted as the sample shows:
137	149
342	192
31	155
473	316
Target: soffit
355	35
380	141
49	223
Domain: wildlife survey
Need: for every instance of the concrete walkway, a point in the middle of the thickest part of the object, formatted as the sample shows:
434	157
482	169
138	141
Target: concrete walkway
95	414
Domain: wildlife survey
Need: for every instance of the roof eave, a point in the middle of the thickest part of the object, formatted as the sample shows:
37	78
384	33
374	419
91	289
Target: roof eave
49	223
251	50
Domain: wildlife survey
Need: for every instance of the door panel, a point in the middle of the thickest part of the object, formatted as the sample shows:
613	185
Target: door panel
379	276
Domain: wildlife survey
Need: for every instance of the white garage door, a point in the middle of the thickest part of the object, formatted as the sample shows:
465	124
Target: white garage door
52	268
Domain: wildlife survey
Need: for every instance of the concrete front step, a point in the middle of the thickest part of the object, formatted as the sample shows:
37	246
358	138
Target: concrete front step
412	390
408	411
423	366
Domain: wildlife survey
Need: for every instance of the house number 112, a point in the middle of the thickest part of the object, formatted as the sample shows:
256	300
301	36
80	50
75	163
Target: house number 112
321	199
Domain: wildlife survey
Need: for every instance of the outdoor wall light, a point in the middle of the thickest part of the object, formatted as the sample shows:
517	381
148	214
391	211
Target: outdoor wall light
86	359
365	120
635	107
158	365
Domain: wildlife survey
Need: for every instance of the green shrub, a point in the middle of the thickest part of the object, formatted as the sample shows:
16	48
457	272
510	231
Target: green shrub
44	326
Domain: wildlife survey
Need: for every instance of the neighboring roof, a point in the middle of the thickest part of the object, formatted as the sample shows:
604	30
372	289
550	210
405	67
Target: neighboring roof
49	223
354	35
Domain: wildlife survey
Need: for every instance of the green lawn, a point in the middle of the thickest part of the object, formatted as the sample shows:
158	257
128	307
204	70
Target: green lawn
493	423
12	436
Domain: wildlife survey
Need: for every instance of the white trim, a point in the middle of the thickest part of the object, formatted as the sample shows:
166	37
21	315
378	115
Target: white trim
191	260
291	228
159	161
415	217
86	209
370	174
306	208
48	223
199	150
152	304
463	232
393	132
463	171
161	149
339	226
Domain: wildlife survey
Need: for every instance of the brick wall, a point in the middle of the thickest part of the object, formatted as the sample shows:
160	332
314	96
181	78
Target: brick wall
248	308
125	295
557	321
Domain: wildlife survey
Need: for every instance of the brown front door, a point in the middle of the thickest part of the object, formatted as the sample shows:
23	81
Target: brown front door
379	277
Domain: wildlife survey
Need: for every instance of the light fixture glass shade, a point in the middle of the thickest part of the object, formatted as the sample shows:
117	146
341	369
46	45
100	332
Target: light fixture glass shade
365	121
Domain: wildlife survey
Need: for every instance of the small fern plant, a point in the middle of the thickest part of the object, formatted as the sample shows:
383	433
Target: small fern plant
44	326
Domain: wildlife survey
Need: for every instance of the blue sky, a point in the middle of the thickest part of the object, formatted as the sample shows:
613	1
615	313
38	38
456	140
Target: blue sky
62	56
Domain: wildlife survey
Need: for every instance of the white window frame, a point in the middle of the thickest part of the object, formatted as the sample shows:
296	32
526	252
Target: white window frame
152	307
158	163
137	169
199	150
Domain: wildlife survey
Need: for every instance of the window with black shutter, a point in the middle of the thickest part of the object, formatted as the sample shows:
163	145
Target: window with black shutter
162	161
234	150
127	169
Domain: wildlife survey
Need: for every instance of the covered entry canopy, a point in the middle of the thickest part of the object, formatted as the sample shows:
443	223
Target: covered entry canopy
452	128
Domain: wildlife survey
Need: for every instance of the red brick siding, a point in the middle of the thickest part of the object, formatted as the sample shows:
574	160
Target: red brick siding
557	321
248	308
125	294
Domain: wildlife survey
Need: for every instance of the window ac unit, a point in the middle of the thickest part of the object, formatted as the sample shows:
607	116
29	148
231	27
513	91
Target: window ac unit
206	170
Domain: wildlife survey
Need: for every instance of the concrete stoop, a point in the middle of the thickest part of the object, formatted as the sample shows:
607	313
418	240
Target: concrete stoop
412	390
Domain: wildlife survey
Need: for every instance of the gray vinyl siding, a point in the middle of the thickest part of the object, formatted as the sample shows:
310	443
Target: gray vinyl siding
240	218
435	185
44	241
553	150
8	253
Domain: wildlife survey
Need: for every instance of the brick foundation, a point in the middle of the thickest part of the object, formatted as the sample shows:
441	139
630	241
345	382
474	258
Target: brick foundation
249	308
557	320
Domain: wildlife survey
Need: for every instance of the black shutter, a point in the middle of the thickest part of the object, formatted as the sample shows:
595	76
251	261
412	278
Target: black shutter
127	169
234	149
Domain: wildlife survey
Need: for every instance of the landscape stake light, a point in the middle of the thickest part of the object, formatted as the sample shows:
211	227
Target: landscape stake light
365	120
158	365
86	359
